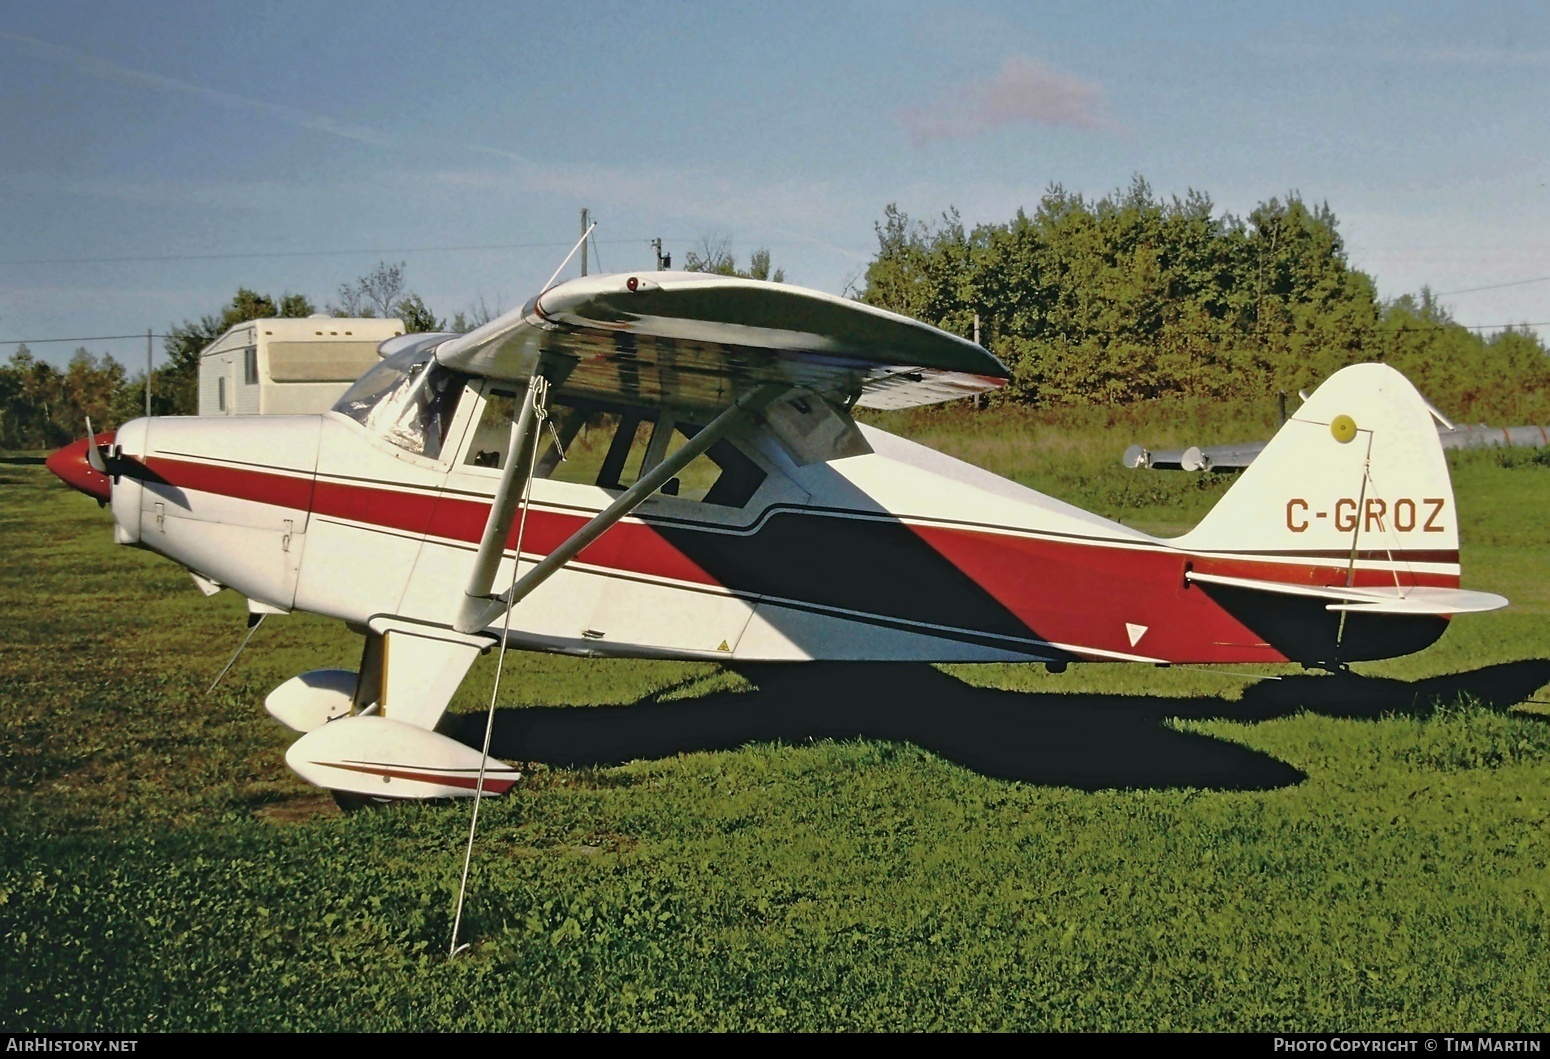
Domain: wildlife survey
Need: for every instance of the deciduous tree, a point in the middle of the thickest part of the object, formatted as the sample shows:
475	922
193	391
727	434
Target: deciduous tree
713	254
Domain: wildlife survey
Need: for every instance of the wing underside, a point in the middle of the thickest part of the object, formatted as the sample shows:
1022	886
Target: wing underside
698	343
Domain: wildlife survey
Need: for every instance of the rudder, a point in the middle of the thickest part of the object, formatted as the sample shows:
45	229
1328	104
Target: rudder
1358	468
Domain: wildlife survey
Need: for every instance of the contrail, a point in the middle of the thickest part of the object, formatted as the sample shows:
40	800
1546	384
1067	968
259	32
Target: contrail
111	71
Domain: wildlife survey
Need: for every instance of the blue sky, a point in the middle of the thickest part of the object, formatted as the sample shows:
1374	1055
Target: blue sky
294	139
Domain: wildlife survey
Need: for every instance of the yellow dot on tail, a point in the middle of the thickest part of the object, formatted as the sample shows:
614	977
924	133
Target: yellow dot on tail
1343	428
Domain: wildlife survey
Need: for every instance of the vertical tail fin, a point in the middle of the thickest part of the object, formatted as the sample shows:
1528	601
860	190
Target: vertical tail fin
1358	472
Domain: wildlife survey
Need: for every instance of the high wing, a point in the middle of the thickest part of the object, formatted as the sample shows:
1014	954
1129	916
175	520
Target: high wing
716	349
699	342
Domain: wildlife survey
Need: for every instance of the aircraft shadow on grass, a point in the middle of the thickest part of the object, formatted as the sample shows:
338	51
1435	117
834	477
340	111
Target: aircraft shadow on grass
1088	741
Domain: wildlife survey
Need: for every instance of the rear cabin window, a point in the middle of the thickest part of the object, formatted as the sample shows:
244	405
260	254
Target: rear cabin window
250	366
589	444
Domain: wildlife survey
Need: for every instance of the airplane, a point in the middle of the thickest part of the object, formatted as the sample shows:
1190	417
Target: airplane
674	460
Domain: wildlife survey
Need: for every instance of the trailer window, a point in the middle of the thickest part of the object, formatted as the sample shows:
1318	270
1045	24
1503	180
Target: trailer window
406	400
319	361
250	366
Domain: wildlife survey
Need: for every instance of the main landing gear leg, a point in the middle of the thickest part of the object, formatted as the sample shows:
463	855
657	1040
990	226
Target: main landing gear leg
388	746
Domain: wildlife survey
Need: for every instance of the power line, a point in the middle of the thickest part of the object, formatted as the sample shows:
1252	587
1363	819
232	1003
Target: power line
295	253
1477	327
87	338
1491	286
255	255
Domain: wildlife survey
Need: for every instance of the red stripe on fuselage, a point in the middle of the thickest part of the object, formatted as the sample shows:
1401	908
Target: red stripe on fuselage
1310	570
264	487
628	546
1080	593
1087	594
387	508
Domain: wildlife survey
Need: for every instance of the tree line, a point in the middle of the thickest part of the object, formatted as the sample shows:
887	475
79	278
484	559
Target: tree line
1129	297
1132	297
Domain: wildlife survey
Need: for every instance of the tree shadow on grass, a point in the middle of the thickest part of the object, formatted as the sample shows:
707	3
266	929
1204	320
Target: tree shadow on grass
1087	741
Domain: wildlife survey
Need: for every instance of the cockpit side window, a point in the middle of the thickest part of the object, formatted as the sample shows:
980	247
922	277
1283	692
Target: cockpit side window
589	443
407	400
493	432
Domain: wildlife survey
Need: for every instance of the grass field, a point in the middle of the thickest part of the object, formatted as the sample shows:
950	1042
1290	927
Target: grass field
967	847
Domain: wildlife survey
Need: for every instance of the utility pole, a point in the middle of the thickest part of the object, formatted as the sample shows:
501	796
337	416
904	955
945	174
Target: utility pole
664	261
977	342
584	242
148	373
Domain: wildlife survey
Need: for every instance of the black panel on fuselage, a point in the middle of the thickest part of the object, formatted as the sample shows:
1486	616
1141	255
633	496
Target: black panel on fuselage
1304	631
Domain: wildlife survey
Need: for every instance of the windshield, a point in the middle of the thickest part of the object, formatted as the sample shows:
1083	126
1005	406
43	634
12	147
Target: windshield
407	400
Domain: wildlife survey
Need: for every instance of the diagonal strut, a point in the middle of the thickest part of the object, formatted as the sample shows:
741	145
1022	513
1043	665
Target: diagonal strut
479	611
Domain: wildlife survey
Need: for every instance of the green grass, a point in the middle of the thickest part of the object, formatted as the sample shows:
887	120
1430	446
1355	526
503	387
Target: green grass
1116	847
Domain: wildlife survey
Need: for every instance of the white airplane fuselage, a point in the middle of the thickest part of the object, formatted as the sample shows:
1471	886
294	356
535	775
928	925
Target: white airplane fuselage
900	554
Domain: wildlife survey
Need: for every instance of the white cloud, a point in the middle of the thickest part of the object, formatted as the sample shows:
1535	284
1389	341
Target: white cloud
1023	91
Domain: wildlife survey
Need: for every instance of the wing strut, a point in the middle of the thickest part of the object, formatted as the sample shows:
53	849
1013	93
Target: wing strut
508	495
480	610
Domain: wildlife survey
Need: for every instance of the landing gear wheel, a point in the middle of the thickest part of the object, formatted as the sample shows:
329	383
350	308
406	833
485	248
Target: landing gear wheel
351	802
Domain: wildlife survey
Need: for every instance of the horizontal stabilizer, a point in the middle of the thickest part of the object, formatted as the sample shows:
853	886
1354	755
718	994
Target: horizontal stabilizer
1371	599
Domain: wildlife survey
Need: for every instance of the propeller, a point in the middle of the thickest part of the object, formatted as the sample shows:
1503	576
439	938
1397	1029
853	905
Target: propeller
94	455
109	460
86	466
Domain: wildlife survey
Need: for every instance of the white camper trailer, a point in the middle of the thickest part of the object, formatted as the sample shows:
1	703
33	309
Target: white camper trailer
290	366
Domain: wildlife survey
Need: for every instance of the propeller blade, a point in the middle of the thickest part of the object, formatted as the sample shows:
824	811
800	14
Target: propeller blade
93	453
